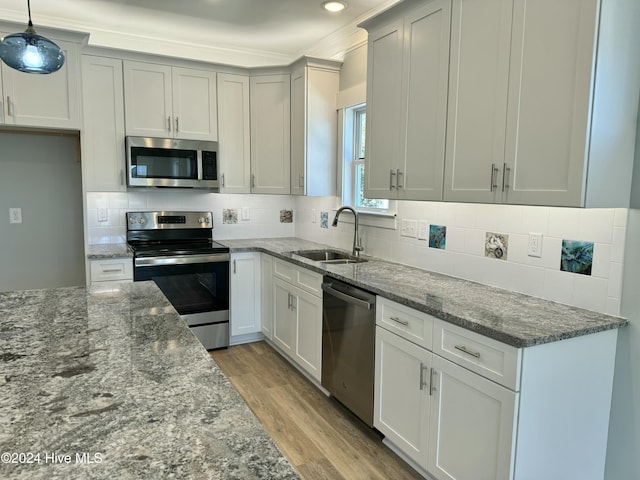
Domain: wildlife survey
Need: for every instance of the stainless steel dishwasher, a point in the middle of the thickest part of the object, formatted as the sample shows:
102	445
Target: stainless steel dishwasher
348	346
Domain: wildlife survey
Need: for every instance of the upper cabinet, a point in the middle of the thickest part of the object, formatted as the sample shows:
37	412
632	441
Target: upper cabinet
165	101
270	133
46	101
314	88
234	152
103	124
541	102
408	65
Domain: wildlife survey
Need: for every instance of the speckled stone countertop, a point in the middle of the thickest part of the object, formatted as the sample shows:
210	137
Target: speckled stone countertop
515	319
109	250
113	376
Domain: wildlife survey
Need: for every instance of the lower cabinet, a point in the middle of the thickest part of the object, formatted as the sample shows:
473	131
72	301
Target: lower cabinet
297	316
111	270
267	295
245	294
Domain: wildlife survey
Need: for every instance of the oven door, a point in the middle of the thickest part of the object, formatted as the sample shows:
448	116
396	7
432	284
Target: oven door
198	288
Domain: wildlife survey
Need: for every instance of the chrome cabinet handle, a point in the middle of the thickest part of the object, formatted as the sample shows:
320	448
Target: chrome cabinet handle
234	267
9	107
494	171
288	301
391	175
111	270
398	182
464	349
253	180
423	367
432	381
223	179
169	123
401	322
505	176
301	181
177	130
122	179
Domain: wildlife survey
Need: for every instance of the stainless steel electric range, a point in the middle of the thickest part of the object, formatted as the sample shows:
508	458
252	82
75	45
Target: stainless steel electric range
177	252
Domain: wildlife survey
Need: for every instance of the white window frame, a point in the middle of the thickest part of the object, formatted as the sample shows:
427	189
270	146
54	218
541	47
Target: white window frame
350	161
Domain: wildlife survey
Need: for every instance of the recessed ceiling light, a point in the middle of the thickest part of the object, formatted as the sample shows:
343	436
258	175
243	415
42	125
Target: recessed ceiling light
334	6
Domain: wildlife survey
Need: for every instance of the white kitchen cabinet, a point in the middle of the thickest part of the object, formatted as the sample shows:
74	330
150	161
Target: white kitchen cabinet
270	134
408	67
314	130
461	406
46	101
234	153
402	399
165	101
111	270
538	103
103	131
471	426
297	316
266	271
245	294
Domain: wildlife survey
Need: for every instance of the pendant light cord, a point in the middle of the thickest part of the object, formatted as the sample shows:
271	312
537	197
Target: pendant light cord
29	10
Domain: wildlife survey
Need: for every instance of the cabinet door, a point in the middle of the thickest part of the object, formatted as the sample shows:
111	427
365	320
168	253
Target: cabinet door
266	270
245	293
472	426
308	319
103	124
195	111
284	327
425	82
298	129
234	150
270	134
147	96
552	59
384	75
476	117
402	400
44	100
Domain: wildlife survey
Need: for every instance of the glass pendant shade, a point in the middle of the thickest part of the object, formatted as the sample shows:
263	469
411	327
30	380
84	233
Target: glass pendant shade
31	53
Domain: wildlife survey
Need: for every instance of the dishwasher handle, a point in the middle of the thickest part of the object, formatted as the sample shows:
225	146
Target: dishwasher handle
328	287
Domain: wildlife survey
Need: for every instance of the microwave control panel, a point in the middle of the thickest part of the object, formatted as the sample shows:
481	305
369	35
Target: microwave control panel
209	166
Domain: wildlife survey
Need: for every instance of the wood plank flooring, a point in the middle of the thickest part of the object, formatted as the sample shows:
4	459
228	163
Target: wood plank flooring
321	438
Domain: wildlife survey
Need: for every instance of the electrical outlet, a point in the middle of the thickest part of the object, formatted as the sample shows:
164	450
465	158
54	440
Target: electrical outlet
103	216
245	214
409	228
313	215
534	247
15	215
423	230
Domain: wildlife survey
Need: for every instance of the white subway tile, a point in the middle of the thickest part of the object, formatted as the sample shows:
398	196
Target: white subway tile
616	271
596	225
564	223
558	286
618	245
613	306
601	260
590	293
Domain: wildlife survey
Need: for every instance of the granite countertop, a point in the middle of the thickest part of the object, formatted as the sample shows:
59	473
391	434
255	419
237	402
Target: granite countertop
108	250
111	375
513	318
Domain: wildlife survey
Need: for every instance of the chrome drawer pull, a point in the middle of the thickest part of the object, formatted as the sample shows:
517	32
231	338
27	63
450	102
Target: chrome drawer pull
112	270
423	367
464	349
401	322
432	381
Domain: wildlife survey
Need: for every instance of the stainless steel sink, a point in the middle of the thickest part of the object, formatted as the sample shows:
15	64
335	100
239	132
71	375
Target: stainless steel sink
328	256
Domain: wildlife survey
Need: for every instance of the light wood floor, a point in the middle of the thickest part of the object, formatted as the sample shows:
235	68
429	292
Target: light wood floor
320	437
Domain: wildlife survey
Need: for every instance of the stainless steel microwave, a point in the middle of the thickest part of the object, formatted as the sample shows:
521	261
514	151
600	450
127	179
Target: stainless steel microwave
169	162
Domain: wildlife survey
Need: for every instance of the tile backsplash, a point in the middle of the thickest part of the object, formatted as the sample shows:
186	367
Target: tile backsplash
467	230
451	237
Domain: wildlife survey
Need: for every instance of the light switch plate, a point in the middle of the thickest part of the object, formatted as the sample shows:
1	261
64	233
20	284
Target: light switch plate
246	214
409	228
15	215
103	216
423	230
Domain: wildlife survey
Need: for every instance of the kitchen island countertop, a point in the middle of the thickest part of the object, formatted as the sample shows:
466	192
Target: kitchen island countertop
513	318
108	382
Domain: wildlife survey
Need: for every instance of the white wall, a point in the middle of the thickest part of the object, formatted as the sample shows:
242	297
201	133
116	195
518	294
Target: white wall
264	212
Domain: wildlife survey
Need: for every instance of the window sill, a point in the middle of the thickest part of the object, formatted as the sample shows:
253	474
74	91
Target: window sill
372	219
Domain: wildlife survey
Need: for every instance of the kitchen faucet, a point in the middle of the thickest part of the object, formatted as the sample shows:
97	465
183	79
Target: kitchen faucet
357	248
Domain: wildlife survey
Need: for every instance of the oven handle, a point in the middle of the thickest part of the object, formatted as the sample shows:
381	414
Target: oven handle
181	260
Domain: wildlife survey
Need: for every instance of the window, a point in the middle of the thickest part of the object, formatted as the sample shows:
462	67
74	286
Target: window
354	167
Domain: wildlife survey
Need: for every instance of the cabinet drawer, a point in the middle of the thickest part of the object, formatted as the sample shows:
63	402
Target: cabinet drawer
307	280
415	326
492	359
113	269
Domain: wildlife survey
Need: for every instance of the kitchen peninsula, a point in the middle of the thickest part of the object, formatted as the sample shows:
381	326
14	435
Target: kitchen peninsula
108	382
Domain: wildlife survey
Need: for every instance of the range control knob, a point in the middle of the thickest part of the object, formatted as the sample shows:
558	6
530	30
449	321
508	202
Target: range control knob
142	221
132	220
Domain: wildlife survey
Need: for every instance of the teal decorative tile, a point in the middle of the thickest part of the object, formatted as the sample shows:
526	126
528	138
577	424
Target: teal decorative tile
324	219
437	236
576	257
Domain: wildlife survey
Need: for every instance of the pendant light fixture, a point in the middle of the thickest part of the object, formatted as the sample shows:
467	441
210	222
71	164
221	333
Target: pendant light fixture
29	52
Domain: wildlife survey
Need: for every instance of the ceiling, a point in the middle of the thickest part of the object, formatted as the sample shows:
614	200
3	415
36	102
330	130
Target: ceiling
246	33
